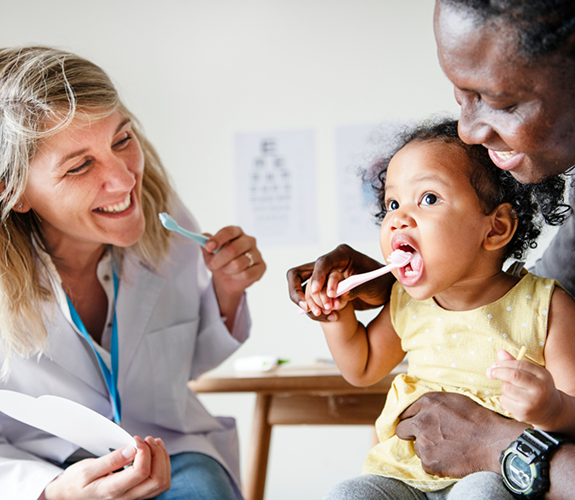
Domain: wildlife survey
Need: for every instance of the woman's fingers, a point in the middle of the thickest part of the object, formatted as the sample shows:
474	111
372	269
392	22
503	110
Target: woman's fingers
95	478
103	466
238	258
158	479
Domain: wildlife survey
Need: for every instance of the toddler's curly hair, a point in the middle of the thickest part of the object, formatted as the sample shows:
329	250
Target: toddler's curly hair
532	203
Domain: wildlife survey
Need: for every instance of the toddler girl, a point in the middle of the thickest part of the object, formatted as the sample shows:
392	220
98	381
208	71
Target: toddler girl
453	308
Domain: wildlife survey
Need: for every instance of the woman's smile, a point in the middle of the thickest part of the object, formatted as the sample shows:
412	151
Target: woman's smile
117	208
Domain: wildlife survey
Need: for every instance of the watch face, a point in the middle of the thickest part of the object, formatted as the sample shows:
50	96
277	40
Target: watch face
517	472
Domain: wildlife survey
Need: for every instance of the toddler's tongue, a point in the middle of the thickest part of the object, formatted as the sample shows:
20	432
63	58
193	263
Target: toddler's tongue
415	266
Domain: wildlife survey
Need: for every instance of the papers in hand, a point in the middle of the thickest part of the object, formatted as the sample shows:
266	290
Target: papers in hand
66	419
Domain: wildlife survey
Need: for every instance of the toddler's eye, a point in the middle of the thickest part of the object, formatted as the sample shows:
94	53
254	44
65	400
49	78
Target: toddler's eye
429	199
392	205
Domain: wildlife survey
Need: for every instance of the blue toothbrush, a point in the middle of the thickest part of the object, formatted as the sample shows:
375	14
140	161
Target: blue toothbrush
171	225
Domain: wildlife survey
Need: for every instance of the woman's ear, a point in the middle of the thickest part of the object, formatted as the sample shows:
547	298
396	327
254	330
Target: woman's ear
503	227
22	206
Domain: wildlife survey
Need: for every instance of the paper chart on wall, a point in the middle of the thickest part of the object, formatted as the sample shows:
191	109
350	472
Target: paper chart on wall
276	187
357	146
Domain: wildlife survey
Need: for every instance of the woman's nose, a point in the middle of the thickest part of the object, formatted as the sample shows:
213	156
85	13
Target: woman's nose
473	128
117	175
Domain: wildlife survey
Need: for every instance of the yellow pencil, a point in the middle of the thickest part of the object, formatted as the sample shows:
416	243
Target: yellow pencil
521	353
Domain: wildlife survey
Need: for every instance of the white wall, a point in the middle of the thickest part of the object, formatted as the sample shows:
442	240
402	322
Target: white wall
197	72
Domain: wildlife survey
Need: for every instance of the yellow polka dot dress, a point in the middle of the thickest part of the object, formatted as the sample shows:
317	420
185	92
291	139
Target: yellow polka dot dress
450	351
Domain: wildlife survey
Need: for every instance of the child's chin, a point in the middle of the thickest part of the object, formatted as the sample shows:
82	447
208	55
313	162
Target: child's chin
417	294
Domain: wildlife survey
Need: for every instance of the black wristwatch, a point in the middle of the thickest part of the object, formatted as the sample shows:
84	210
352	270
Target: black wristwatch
525	463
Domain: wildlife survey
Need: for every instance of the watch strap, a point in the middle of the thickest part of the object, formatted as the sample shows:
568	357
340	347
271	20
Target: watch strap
540	443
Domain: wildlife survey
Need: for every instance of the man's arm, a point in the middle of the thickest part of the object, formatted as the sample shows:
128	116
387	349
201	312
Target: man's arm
454	436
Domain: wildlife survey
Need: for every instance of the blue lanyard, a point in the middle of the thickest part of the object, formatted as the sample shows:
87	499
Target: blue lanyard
111	378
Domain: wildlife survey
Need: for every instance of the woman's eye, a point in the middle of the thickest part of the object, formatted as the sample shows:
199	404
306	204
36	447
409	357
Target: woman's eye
429	199
392	205
80	168
123	142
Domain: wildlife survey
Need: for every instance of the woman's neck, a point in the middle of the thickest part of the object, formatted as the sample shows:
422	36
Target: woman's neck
79	261
78	273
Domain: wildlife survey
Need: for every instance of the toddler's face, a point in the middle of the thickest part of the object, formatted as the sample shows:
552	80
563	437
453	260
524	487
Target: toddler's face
433	212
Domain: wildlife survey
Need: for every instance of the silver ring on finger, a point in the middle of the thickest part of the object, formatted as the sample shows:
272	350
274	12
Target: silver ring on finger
250	258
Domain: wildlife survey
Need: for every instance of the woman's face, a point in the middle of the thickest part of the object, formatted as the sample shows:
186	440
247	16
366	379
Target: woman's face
523	112
85	186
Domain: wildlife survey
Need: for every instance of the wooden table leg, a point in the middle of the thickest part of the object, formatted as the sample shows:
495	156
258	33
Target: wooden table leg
255	480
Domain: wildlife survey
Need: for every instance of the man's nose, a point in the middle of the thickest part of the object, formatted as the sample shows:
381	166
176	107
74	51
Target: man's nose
473	128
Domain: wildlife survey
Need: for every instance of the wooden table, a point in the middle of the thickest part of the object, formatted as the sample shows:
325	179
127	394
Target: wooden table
291	395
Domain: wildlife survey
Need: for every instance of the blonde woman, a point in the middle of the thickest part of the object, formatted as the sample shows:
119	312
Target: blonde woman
99	303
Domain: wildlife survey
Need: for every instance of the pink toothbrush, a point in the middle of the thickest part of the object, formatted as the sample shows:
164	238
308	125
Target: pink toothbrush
398	258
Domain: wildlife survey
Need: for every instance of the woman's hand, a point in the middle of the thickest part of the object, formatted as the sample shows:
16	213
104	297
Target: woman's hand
235	267
326	272
94	478
528	392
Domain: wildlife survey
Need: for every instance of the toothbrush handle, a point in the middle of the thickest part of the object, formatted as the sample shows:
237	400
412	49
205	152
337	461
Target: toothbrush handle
198	238
357	279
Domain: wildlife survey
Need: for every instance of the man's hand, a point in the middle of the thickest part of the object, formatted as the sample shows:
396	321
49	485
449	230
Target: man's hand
454	436
329	269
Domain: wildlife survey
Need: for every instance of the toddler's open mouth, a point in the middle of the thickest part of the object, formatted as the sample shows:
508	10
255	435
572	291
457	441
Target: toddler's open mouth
414	268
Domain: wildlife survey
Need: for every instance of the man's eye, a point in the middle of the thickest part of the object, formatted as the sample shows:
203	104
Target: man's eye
392	205
429	199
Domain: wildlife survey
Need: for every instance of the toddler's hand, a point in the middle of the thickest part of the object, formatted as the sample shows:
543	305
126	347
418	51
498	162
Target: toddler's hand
529	392
317	299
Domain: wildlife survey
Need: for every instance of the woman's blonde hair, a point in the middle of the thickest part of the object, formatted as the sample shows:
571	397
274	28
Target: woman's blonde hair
42	90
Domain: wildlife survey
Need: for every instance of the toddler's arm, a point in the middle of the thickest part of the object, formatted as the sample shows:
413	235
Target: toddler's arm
544	397
364	355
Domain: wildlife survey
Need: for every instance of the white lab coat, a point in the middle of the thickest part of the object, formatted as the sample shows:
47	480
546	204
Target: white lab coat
170	331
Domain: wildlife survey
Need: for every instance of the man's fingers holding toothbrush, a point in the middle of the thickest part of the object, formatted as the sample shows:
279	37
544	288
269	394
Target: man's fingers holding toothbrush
345	260
300	284
318	301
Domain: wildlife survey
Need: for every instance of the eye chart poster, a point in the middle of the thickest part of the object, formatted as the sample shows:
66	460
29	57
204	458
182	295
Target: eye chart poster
357	146
276	187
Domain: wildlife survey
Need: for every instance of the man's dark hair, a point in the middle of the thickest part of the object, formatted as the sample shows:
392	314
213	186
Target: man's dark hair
541	26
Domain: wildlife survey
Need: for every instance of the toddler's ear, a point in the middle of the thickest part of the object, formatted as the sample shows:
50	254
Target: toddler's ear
503	226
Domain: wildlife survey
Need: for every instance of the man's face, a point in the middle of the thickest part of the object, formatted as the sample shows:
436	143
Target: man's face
522	111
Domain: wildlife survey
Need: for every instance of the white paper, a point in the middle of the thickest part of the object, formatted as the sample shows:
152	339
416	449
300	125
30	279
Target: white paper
357	146
256	363
66	419
275	187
